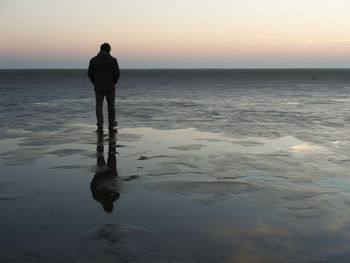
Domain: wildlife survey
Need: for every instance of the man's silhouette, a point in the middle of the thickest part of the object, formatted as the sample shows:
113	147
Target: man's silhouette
104	73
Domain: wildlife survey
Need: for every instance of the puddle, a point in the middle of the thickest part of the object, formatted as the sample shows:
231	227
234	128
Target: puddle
165	141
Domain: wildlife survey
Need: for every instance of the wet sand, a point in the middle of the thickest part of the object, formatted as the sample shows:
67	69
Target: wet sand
207	166
148	195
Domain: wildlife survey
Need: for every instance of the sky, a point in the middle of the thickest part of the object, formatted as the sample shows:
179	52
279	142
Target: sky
176	33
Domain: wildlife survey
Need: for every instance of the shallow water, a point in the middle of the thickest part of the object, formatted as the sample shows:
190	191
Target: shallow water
207	166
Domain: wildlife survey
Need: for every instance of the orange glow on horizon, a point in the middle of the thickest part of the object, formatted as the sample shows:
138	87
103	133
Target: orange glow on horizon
169	31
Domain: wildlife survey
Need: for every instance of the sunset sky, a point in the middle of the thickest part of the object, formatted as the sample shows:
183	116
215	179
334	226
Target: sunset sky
176	33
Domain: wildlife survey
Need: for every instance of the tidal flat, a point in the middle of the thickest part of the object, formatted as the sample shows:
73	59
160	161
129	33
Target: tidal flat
206	167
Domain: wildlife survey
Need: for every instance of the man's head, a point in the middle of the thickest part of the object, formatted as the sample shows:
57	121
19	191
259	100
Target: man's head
105	47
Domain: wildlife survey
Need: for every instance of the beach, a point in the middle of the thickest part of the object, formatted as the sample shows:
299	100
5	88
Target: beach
207	166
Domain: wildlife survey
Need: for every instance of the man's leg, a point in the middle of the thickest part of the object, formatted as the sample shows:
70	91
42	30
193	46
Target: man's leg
99	110
110	97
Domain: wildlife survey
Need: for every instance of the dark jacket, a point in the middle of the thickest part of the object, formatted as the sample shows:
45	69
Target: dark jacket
104	72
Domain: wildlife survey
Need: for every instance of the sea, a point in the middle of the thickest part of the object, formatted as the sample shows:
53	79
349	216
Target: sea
206	165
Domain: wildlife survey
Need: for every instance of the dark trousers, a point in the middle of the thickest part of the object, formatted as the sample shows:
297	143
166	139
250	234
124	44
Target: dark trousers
110	97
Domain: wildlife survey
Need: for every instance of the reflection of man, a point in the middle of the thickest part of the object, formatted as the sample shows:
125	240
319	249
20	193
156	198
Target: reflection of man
104	74
105	184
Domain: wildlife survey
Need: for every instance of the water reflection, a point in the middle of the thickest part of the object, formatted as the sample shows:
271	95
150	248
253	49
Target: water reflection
105	184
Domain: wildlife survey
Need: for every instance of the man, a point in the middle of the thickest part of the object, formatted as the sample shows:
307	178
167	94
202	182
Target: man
104	73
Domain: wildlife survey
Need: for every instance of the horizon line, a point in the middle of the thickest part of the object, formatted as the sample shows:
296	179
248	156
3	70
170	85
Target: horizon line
185	68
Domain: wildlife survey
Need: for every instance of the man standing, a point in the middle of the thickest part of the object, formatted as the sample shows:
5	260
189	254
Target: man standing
104	73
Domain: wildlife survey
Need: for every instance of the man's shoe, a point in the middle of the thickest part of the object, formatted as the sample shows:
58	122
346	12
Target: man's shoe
112	131
111	127
99	131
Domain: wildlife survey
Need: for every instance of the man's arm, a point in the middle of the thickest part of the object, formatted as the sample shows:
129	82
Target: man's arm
91	73
116	72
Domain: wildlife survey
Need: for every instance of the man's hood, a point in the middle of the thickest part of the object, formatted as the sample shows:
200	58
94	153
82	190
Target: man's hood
103	54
